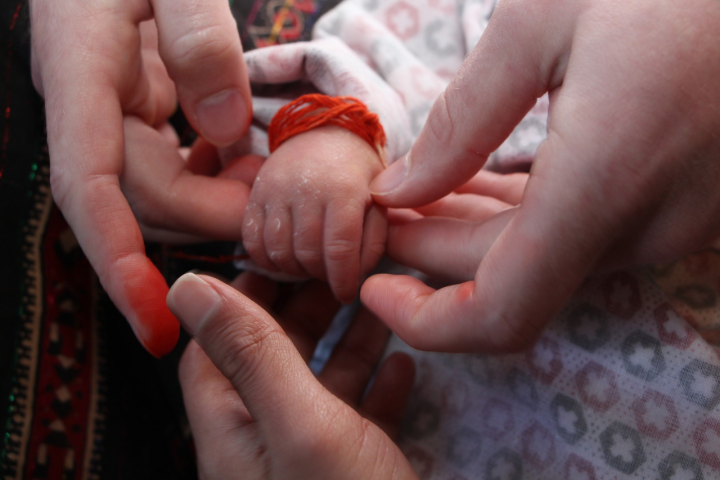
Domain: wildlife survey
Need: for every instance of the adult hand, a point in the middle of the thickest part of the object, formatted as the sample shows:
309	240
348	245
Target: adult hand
254	406
629	172
181	195
92	65
446	239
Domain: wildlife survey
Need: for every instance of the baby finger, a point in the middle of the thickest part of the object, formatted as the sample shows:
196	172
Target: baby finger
375	234
278	234
253	235
308	221
342	243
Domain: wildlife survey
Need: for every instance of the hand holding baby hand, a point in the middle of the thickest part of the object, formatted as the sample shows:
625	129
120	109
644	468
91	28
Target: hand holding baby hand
310	212
254	406
177	199
628	174
98	62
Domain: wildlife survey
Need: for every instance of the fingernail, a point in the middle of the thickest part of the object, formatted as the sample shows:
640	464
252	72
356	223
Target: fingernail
222	118
392	177
193	301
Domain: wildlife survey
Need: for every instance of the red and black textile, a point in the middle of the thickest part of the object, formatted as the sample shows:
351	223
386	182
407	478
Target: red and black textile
79	397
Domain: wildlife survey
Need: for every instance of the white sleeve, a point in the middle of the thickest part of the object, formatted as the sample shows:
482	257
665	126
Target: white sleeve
328	66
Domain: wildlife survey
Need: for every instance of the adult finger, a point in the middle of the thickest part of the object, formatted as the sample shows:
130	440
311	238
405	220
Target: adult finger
565	224
200	46
253	352
163	88
531	269
257	288
597	179
306	315
204	159
223	431
88	192
483	103
385	403
86	150
585	193
469	207
442	247
507	187
109	234
162	235
355	358
374	238
342	243
403	302
210	400
243	169
164	194
399	216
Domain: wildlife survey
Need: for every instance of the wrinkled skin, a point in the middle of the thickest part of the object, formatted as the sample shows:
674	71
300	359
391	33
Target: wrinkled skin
310	212
255	408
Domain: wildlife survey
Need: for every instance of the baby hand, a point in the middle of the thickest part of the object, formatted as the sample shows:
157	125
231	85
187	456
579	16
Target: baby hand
310	212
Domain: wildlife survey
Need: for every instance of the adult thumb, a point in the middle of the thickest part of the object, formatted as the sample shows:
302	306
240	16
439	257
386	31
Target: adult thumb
252	352
511	66
200	46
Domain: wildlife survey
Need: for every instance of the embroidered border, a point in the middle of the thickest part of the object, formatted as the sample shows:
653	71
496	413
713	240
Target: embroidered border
27	350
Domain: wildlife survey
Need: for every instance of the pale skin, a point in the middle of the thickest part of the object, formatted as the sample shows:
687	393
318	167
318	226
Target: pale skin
611	186
310	213
99	63
253	405
628	175
255	408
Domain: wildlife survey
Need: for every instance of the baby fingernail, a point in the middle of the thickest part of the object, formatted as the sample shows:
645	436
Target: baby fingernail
391	178
222	118
193	301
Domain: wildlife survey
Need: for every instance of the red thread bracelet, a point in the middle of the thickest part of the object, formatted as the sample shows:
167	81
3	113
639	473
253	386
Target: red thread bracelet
316	110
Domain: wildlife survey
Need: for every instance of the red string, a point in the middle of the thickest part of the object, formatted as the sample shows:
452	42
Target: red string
315	110
305	113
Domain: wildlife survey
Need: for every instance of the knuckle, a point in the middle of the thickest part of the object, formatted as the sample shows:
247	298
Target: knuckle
59	186
360	356
243	346
348	185
371	254
374	250
309	257
344	289
444	125
251	229
201	46
339	250
145	204
254	248
440	124
350	208
279	254
514	334
321	443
